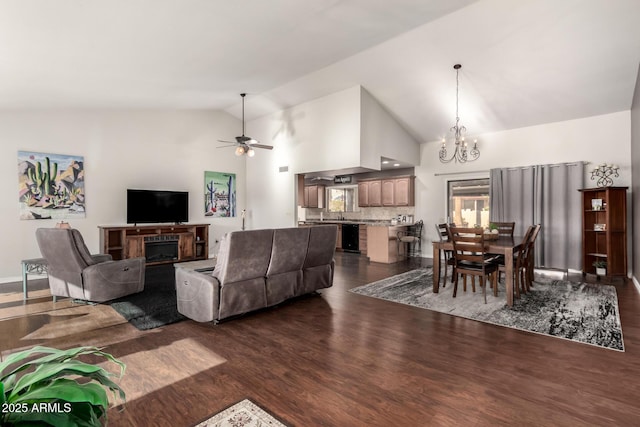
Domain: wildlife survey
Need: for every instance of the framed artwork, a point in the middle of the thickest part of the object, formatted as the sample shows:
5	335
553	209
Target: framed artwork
219	194
596	204
50	186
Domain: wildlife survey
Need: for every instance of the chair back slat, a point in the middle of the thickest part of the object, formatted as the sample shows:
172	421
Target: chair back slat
468	244
505	228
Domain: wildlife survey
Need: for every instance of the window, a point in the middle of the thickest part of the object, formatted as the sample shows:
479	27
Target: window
342	199
468	202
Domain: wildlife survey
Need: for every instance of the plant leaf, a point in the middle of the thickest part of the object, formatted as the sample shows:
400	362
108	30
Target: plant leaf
52	355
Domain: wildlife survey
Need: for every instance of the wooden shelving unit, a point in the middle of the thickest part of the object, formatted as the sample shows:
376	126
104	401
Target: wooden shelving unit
604	229
123	242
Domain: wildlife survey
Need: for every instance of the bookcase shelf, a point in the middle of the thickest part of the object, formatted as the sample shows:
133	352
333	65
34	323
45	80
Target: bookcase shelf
604	231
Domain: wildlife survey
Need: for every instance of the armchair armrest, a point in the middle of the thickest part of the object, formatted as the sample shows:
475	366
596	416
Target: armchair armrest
112	279
198	294
98	258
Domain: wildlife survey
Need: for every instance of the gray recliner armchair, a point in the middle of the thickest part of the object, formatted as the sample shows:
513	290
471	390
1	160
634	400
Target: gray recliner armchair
73	272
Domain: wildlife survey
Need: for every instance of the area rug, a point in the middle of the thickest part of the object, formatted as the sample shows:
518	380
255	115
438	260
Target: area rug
242	414
155	306
582	312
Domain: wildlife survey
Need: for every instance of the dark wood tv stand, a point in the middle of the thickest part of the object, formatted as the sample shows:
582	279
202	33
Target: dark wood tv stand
159	244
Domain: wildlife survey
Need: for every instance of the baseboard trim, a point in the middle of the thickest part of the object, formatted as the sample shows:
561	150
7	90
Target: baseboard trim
17	278
635	282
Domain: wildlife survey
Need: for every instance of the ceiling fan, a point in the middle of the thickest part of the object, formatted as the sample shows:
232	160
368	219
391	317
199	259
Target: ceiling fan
244	144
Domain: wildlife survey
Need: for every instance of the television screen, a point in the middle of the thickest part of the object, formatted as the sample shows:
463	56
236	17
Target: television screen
149	206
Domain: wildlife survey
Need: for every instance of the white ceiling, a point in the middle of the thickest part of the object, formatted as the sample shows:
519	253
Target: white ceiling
525	62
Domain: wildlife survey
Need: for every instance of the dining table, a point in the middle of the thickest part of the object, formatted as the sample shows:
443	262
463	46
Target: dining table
503	245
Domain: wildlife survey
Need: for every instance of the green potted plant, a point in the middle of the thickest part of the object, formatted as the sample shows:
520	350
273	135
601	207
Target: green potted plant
46	386
601	267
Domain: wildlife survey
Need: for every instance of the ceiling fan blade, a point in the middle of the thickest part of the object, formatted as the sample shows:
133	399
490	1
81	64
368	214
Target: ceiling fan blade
226	146
227	142
268	147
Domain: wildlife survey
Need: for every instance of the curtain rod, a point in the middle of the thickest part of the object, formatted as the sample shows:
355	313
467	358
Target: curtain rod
459	173
514	168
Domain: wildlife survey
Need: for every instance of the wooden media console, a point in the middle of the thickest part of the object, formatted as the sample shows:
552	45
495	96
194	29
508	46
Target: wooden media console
159	244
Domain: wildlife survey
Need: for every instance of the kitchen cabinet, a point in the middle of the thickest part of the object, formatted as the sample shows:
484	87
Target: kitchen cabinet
375	193
398	191
314	196
363	193
362	239
370	193
403	191
388	192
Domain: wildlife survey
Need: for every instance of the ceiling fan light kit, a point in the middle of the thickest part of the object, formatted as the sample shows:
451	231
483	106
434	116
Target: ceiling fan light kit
244	144
461	153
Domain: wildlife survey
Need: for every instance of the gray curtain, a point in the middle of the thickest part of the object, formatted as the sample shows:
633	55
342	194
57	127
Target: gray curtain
546	195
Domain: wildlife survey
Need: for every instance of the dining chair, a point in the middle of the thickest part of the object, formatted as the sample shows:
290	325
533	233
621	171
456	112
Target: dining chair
411	238
504	228
530	258
443	234
471	258
520	260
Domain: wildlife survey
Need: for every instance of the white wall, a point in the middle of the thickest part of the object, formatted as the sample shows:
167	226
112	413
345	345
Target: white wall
598	139
635	158
383	136
345	130
167	150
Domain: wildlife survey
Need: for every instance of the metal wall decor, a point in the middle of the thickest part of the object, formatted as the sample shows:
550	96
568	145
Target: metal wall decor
461	151
604	174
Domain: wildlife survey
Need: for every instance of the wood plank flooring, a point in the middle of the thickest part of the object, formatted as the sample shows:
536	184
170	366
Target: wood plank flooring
341	359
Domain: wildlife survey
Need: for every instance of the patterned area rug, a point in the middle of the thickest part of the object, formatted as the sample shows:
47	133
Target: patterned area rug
587	313
242	414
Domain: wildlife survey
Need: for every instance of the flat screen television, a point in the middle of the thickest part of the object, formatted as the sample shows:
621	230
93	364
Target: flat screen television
153	206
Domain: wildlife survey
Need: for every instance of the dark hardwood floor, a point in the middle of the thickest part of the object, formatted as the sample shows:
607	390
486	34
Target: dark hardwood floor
341	359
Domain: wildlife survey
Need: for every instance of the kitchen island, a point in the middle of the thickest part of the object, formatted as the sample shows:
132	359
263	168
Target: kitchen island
382	242
378	238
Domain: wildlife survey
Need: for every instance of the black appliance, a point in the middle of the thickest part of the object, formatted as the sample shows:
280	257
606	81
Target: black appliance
351	237
149	206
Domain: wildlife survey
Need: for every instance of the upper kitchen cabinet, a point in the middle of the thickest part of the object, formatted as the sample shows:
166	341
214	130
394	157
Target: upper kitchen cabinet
403	191
394	191
369	193
398	191
314	196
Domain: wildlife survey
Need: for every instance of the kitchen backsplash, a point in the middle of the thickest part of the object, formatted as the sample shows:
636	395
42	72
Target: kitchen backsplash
376	213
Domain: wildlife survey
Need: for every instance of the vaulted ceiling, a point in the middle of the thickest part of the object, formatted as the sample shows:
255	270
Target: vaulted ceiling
524	62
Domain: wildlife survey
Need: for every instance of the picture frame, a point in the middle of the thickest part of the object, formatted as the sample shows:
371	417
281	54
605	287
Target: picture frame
596	204
599	227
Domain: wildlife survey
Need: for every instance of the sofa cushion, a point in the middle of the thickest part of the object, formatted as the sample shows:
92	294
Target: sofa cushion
289	250
322	245
243	255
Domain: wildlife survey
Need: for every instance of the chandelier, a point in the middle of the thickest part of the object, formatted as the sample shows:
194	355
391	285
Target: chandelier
461	152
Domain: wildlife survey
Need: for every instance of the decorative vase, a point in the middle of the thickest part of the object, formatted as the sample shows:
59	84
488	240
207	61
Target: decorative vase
601	271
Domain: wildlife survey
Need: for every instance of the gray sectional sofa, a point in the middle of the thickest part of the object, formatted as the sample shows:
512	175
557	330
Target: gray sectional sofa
257	269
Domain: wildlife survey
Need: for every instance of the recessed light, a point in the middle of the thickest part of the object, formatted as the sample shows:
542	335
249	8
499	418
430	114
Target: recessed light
384	162
396	164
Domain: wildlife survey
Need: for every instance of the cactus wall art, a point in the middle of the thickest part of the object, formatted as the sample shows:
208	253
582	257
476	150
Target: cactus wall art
219	194
50	186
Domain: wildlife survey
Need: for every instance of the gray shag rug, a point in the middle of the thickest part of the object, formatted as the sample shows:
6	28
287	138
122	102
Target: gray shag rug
583	312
